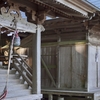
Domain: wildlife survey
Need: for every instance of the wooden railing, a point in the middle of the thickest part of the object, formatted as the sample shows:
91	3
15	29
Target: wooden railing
25	71
22	67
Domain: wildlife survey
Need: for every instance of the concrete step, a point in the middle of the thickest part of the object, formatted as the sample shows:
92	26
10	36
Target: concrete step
16	90
11	76
28	97
14	87
4	71
11	82
18	93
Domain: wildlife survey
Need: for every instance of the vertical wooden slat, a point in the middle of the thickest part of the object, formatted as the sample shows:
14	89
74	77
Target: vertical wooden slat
73	66
58	66
65	68
78	66
92	74
48	55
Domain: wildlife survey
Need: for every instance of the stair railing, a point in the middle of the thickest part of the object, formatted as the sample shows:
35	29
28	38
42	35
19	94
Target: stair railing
22	67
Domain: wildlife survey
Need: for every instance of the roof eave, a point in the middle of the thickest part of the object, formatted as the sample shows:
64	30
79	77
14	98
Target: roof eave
90	4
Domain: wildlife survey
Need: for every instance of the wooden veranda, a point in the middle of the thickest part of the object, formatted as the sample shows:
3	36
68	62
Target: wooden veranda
60	58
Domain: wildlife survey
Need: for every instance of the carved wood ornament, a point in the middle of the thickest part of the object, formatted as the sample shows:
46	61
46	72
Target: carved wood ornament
9	13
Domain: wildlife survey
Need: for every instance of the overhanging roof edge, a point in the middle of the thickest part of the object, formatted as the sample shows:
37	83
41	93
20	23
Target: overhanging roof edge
90	4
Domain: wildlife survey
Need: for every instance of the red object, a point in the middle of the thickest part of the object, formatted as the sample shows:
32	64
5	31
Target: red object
3	95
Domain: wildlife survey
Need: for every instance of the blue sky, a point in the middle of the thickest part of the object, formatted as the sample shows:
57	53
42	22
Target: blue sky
95	2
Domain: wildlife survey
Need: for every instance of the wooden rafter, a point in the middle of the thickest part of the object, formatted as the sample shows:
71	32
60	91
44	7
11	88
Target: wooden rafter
60	12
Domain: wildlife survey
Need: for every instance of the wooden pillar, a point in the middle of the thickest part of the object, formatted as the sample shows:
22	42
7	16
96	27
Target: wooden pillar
88	60
36	61
58	62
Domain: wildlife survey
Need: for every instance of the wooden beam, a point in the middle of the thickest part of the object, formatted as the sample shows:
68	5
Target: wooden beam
59	11
22	25
67	26
74	42
7	20
69	93
65	43
76	36
65	31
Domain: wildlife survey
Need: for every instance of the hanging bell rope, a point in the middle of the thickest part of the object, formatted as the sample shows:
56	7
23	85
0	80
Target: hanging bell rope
15	42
